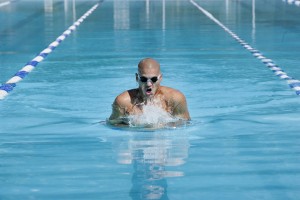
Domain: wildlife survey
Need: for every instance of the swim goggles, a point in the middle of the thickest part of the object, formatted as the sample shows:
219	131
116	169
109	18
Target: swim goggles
145	79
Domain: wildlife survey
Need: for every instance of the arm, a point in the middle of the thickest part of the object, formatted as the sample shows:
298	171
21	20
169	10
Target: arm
118	115
180	107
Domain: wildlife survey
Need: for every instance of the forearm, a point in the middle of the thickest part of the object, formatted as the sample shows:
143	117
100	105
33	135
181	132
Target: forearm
119	120
181	111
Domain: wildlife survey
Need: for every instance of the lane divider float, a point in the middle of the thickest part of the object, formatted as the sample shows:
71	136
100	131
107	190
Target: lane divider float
296	2
293	83
5	3
21	74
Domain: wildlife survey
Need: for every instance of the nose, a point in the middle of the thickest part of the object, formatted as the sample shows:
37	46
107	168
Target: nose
149	82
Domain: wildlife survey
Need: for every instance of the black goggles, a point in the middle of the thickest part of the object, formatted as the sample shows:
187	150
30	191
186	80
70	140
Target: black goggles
145	79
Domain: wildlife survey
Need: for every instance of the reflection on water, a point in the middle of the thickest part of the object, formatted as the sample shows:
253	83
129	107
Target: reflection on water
152	156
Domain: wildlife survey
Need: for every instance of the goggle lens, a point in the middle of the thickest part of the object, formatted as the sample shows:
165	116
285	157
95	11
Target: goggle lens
144	79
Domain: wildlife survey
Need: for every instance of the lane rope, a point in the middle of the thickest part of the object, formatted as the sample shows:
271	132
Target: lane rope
21	74
4	3
296	2
293	83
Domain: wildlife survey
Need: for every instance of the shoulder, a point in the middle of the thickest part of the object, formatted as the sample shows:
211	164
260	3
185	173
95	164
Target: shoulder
177	102
172	94
125	98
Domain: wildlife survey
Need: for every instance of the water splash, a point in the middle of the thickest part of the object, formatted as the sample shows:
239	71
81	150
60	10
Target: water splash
153	116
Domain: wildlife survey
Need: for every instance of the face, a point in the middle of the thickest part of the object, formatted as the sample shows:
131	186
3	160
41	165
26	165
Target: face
149	81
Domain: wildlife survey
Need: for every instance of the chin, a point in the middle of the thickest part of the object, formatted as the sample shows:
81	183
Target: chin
149	96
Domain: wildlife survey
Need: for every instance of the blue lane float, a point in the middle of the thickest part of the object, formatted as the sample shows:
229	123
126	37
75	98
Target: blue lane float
293	83
21	74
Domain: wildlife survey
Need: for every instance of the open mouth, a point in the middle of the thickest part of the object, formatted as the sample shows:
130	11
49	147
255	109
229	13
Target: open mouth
148	91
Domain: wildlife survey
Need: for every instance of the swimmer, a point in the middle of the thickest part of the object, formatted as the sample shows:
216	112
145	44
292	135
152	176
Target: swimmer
149	92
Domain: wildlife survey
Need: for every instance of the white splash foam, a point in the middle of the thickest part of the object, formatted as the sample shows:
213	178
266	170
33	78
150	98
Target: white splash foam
153	116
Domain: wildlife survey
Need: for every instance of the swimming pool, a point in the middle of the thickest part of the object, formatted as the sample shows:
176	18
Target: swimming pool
244	139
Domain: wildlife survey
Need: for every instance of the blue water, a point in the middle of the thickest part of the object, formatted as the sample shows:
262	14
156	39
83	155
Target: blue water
243	142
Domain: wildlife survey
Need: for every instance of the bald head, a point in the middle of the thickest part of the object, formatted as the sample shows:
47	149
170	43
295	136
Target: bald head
148	64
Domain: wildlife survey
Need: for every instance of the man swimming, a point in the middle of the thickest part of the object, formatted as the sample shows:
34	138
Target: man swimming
149	92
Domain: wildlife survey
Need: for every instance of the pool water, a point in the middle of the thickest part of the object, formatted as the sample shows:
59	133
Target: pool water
242	143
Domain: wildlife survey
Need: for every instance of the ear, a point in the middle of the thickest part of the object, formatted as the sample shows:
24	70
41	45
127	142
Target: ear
160	77
136	77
